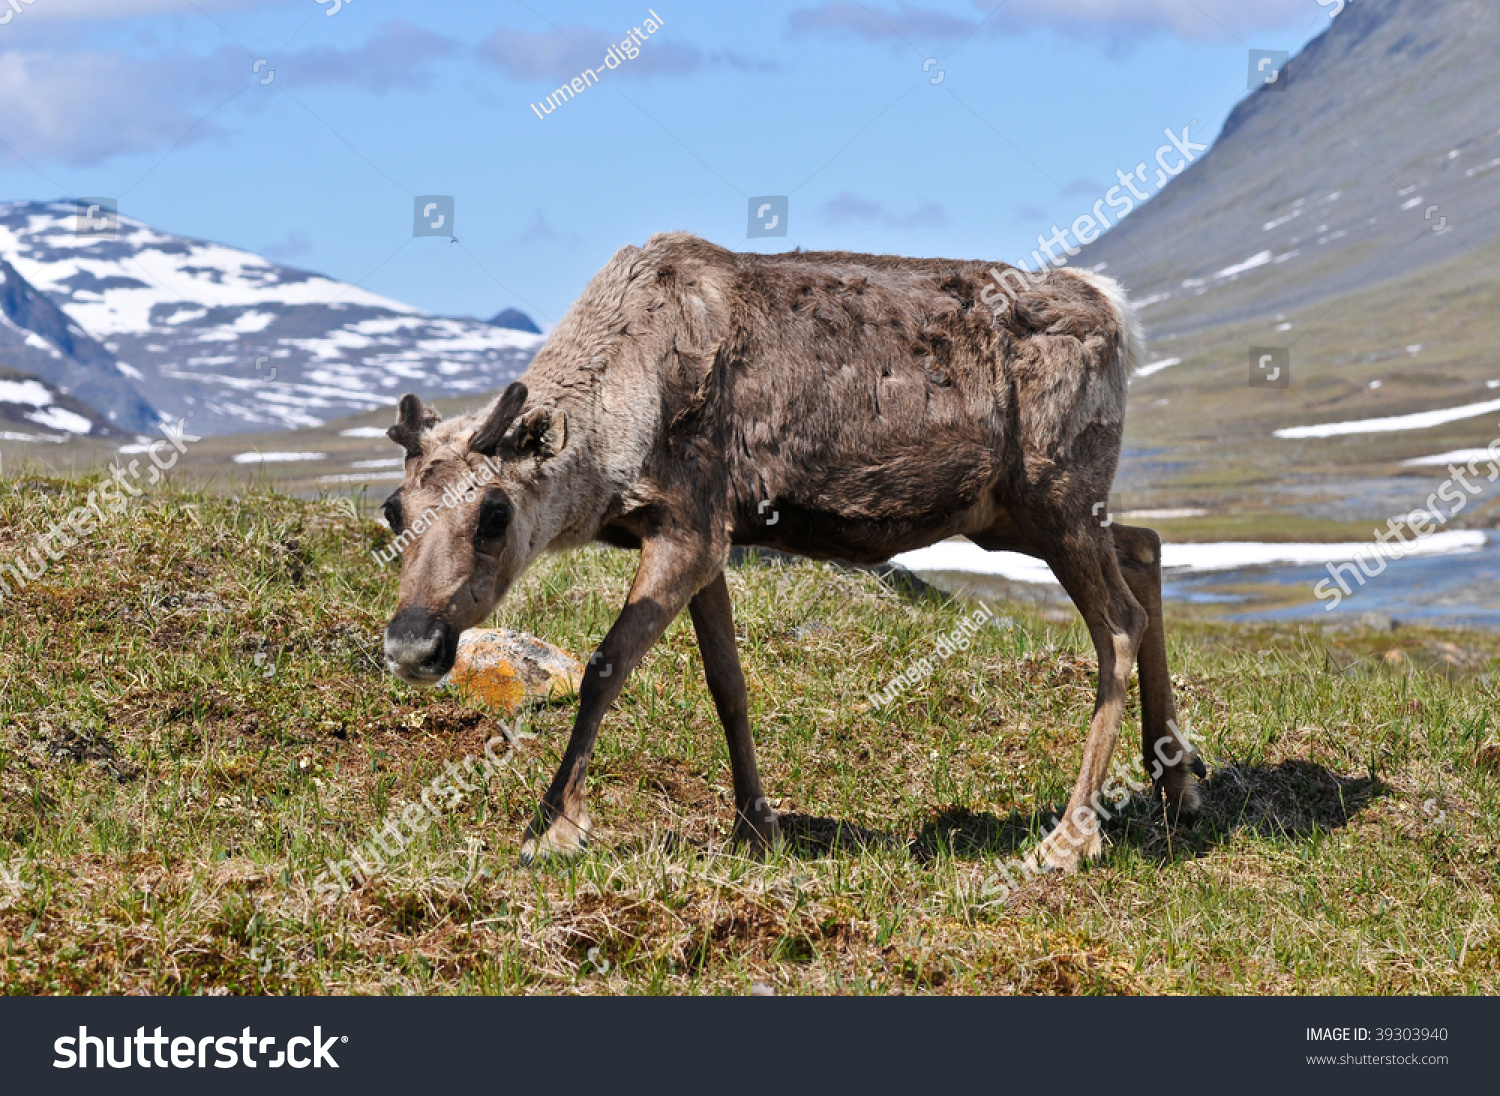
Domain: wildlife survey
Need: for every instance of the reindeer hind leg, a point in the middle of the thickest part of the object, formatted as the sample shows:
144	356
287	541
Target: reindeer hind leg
1165	751
1084	561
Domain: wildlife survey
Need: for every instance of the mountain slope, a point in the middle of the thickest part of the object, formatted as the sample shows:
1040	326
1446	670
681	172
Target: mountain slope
235	342
514	319
1381	156
38	339
33	410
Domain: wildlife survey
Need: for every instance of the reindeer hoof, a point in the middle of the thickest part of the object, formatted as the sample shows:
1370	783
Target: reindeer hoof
1179	788
1063	851
758	837
563	838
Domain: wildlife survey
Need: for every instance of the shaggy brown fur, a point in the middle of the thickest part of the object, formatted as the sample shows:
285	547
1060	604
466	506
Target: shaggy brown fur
837	405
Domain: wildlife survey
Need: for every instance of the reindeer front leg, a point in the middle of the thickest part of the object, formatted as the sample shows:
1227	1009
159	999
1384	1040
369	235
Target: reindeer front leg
671	571
713	618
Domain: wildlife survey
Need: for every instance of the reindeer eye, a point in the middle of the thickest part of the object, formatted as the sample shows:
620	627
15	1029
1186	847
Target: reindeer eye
494	516
392	512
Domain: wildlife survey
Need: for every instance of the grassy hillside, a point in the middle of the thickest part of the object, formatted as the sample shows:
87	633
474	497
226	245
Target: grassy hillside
193	722
1197	434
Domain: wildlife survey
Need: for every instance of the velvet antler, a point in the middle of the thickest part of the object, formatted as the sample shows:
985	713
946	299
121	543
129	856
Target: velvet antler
413	419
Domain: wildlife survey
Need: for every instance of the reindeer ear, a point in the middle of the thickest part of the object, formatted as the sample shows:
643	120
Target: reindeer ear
486	439
542	432
413	419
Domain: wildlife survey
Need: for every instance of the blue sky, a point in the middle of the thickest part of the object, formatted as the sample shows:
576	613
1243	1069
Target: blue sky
160	104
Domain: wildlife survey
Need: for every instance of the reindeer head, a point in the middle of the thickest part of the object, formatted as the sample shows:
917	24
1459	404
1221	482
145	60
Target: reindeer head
476	507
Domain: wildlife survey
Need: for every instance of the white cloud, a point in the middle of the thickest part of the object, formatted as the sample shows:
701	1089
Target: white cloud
849	208
1115	21
397	55
565	52
76	10
80	108
293	245
846	18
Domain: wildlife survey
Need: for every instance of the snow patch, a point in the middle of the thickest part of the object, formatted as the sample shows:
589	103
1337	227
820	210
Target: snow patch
1420	420
1156	367
1456	456
969	558
276	458
373	477
33	393
1260	258
60	418
383	462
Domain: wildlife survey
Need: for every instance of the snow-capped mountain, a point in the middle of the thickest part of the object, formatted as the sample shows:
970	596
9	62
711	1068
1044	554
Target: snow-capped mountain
40	341
235	342
33	410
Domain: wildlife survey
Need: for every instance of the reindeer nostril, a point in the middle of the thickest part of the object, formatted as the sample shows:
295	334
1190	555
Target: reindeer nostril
420	645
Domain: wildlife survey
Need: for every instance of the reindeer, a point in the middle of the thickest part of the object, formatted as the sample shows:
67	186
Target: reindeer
868	401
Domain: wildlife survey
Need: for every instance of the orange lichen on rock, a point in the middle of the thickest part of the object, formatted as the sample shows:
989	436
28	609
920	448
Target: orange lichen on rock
509	670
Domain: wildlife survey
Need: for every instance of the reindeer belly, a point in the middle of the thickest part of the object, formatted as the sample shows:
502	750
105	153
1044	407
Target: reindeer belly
862	479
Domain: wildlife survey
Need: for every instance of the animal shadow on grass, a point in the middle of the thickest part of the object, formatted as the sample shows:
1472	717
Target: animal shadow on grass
667	842
806	837
1293	800
814	837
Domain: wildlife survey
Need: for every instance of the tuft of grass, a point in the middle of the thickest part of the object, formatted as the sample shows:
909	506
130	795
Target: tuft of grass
194	721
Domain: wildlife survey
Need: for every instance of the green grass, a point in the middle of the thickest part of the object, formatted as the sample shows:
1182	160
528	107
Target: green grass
1267	526
166	803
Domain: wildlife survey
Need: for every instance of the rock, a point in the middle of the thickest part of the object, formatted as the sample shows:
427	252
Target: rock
510	670
1394	656
760	989
810	629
